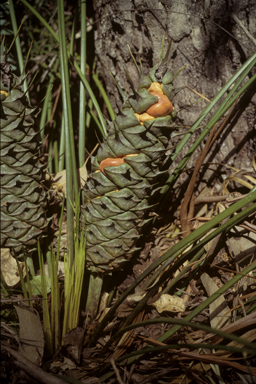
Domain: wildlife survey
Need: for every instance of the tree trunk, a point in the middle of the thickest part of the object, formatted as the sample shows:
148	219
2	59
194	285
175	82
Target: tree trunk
207	39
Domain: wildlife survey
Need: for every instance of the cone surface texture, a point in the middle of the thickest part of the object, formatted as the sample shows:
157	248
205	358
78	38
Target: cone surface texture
23	197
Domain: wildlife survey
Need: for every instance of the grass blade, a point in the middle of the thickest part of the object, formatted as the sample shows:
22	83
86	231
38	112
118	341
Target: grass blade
68	129
17	42
82	92
177	249
82	77
46	315
243	72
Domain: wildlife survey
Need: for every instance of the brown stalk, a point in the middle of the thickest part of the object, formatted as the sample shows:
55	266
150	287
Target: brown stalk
188	203
30	368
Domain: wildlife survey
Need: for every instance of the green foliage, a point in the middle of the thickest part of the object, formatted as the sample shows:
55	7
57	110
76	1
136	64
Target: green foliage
70	112
58	88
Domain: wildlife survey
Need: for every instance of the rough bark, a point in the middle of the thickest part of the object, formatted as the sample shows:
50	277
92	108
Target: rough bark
206	39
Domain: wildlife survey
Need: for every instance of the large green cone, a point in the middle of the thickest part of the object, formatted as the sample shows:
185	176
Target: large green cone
23	197
118	202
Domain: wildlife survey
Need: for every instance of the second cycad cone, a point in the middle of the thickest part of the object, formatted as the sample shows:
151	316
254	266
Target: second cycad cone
23	197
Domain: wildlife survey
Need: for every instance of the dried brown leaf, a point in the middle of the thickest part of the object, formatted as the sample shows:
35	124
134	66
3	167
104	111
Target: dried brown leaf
31	334
219	310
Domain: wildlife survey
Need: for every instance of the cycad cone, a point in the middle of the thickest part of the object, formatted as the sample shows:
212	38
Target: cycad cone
126	172
23	198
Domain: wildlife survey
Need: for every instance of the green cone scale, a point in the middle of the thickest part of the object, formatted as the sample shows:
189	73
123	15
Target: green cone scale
23	197
126	173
